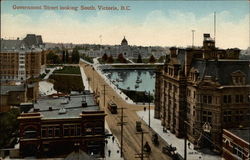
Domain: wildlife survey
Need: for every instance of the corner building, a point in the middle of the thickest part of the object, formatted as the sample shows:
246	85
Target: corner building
204	86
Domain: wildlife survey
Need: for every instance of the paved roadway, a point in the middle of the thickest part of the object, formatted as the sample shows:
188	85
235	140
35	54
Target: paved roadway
132	141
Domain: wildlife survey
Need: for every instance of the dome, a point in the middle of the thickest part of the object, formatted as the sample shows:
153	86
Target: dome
124	42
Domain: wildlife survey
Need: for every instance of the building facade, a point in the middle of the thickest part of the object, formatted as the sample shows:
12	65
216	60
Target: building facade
203	88
22	59
236	144
57	125
14	95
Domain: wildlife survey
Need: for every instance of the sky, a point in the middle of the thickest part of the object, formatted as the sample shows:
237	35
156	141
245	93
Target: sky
147	23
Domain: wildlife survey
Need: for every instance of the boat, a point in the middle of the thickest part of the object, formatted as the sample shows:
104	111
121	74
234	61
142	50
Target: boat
138	81
119	80
137	85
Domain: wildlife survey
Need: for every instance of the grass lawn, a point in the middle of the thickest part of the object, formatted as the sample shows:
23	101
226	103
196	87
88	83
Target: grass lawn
67	83
69	70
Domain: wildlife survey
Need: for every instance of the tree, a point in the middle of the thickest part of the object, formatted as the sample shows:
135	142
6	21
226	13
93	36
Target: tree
9	128
75	56
53	58
104	57
63	56
152	59
139	60
161	59
121	58
67	56
110	59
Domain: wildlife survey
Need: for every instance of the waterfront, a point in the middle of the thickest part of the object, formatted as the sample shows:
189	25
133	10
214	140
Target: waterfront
131	79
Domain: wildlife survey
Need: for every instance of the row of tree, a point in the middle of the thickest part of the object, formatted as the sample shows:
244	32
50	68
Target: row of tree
121	59
54	58
110	59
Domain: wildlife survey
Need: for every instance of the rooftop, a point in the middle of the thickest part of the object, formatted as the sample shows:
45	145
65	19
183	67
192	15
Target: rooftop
243	133
31	42
65	107
17	88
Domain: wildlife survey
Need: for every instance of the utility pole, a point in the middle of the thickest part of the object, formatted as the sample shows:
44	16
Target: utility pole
185	140
149	109
122	123
93	82
141	155
104	95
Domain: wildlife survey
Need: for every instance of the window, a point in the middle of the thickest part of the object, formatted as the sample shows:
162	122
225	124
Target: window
239	98
227	99
237	150
57	131
44	132
66	130
207	99
30	133
50	132
78	130
227	116
207	116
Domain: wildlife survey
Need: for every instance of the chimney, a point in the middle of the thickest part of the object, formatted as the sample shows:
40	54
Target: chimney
188	60
173	52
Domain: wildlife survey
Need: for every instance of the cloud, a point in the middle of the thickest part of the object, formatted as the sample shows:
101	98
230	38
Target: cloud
172	28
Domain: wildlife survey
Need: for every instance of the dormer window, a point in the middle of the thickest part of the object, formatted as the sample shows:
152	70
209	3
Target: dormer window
238	78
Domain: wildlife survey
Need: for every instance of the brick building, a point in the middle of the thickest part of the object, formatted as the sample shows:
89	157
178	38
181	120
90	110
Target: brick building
236	144
22	59
204	85
14	95
57	125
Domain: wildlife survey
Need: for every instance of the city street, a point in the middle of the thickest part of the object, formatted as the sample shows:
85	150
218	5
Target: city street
131	139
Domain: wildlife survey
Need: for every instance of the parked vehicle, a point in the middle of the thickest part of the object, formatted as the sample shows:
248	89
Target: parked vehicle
138	126
112	107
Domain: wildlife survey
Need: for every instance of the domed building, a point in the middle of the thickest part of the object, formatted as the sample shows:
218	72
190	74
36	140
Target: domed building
124	42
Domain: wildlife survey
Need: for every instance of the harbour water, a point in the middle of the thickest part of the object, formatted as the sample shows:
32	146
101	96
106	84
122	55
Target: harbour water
131	79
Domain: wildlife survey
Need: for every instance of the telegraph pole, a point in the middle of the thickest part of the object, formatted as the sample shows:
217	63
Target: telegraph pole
122	123
104	95
185	141
149	109
141	155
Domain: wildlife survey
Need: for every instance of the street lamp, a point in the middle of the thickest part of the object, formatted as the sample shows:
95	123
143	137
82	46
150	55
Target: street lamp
148	107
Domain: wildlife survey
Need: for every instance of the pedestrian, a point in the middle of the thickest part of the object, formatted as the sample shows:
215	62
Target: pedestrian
144	109
189	145
113	139
106	141
109	151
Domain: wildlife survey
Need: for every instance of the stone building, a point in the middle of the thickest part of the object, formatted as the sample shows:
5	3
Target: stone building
57	125
22	59
207	87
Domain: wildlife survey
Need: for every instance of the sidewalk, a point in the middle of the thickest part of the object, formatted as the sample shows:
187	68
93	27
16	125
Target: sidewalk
172	139
85	80
113	147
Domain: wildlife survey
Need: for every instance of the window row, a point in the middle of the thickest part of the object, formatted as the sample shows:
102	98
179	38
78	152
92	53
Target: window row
55	131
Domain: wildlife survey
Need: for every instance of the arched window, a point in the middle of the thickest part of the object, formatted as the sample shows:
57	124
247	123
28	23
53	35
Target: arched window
30	132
